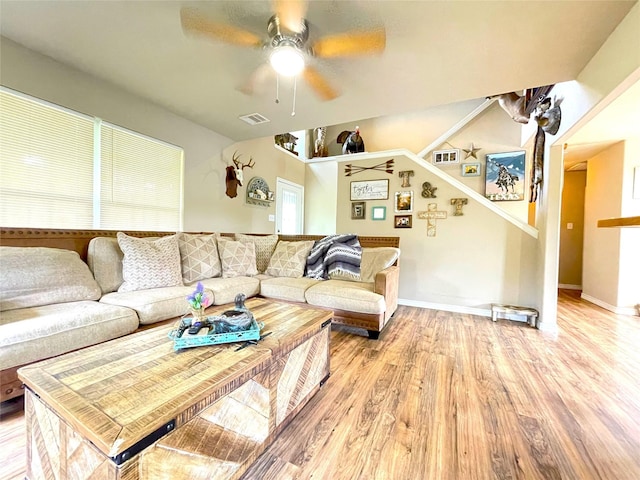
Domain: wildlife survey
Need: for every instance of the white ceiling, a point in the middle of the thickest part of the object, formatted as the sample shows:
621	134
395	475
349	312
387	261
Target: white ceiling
437	53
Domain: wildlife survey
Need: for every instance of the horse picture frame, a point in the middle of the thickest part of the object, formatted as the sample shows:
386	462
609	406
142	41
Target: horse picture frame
505	176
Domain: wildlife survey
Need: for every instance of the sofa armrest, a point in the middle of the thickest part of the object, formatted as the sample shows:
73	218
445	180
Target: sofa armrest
386	284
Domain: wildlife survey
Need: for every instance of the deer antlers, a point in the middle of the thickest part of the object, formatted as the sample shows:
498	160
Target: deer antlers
240	165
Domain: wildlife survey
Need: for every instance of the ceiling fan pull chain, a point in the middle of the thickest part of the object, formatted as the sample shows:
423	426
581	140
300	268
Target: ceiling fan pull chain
295	85
277	88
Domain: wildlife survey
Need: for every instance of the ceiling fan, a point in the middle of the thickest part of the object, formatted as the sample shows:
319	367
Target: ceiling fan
286	43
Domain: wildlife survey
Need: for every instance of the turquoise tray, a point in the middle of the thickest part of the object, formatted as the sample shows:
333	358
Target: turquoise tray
180	342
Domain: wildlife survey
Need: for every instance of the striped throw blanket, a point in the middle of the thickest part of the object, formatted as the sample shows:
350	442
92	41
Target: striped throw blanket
335	254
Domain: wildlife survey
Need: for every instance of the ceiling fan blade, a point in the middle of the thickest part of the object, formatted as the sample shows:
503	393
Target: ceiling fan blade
256	79
319	84
195	22
351	44
291	13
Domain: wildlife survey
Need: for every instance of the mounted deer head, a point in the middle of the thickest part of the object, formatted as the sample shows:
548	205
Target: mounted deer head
234	175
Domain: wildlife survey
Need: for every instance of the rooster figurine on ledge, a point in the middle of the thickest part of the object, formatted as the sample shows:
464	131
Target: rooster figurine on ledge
351	141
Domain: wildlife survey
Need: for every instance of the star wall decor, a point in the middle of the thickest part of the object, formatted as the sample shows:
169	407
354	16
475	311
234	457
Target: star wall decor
471	152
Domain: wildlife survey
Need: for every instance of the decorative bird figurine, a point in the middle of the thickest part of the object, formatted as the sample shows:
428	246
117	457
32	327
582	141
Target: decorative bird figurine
351	141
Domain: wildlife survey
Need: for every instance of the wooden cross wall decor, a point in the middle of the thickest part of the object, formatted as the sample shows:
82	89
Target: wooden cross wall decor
431	215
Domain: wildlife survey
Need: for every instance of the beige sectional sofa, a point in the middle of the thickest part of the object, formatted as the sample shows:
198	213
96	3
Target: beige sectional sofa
62	290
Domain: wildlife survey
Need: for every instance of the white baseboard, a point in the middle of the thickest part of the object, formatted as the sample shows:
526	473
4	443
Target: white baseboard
568	286
483	312
612	308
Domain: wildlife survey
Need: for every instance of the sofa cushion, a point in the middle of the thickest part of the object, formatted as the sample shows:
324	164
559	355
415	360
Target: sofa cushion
238	259
225	289
31	334
33	276
154	304
285	288
149	263
199	257
264	245
344	295
289	259
374	260
105	261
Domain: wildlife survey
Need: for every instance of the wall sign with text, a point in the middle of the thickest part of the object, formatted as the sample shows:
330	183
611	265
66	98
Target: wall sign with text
370	190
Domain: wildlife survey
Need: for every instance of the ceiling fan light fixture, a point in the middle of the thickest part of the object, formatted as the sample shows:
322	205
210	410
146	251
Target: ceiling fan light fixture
287	60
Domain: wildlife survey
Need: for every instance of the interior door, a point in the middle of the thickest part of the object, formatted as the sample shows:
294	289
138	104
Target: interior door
289	207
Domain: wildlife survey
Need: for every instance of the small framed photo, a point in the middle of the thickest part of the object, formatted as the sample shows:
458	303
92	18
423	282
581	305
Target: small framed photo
404	202
358	210
403	221
445	157
378	213
471	169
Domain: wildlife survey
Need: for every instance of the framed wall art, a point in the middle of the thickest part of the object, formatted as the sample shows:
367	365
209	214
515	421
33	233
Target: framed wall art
358	210
403	221
471	169
445	157
370	190
404	202
504	176
378	213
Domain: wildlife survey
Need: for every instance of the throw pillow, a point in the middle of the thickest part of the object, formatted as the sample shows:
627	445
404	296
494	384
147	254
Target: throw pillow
199	257
149	263
264	244
289	259
238	259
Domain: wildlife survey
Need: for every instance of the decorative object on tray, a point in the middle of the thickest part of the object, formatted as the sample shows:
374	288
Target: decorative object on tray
370	190
358	210
471	169
405	176
198	302
445	157
403	221
258	192
428	191
383	167
459	202
378	213
235	325
471	152
234	178
504	176
404	202
351	142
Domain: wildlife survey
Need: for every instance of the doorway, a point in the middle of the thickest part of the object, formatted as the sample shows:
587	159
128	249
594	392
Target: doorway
289	207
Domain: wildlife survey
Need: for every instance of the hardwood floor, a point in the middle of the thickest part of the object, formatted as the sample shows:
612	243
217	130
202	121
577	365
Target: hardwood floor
453	396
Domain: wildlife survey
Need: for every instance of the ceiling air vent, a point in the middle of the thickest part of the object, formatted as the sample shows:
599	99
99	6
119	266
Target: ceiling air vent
254	119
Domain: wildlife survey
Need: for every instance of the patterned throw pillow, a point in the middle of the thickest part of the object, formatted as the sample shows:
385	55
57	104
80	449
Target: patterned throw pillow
289	259
238	259
149	263
264	244
199	256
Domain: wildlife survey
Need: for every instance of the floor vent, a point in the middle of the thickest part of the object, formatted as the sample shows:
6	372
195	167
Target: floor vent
254	119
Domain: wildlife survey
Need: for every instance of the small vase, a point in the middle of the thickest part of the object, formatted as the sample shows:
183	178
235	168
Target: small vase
198	314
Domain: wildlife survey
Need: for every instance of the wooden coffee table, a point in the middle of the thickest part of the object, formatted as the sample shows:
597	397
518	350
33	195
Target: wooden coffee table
135	408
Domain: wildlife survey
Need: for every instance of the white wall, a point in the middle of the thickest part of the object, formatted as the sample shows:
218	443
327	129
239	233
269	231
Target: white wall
321	192
42	77
629	271
601	259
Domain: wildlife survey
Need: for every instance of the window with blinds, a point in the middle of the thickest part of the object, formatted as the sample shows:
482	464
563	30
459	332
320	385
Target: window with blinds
62	169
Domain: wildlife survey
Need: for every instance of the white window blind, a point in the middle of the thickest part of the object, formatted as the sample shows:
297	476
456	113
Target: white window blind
46	165
141	182
60	169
